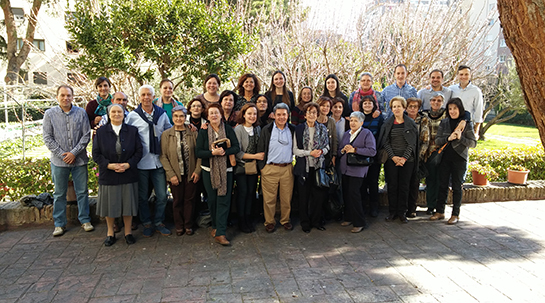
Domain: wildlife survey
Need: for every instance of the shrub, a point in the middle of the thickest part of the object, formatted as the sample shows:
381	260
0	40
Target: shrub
532	158
33	176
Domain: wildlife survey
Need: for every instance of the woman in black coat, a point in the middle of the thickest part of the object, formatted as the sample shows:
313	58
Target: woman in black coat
117	149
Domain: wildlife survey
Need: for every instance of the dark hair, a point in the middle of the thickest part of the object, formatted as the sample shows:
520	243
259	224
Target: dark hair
266	98
401	65
461	67
370	98
300	97
65	86
311	104
337	100
203	104
102	79
241	81
437	71
285	93
241	120
226	93
210	77
164	81
337	89
413	99
218	106
322	100
459	104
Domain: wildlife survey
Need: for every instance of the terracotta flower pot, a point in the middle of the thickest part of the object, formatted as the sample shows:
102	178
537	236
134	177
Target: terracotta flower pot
517	176
479	179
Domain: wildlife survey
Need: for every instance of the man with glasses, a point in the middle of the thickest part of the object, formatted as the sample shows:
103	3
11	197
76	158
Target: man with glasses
276	141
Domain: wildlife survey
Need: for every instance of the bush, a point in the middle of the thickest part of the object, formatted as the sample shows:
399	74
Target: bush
13	147
33	176
532	158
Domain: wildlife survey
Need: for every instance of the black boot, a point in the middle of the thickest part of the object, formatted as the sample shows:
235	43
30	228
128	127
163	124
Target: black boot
243	226
249	223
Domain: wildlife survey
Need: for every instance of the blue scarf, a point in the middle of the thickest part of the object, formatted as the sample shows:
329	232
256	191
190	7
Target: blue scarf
103	104
154	146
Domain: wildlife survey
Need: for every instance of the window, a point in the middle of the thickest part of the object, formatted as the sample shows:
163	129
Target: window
70	48
40	78
502	58
502	43
18	13
39	44
20	43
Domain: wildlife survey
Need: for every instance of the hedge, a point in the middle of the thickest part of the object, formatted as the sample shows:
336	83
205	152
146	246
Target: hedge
19	178
33	176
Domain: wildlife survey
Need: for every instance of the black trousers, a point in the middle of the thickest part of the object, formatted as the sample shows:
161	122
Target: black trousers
311	198
353	201
456	172
369	188
398	179
414	188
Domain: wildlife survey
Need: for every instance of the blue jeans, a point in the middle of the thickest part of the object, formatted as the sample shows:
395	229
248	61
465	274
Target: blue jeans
59	176
158	179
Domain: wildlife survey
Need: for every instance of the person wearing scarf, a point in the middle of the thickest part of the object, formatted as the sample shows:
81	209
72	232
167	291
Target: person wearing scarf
97	108
312	143
166	101
366	89
151	121
217	170
454	161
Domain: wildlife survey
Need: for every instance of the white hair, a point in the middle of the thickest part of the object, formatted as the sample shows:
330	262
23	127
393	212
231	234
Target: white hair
146	86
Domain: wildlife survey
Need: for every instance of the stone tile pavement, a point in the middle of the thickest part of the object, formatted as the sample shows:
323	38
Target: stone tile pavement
495	254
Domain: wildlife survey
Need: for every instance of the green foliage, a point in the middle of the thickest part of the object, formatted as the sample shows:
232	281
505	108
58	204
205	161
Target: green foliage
532	158
33	176
184	37
13	147
483	169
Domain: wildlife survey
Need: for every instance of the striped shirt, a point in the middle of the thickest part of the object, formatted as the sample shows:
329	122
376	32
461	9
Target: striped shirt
398	145
67	132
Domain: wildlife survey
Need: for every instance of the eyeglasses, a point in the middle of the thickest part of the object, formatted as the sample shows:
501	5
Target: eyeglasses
413	106
312	112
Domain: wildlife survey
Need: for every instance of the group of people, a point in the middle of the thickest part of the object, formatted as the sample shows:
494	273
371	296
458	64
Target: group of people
222	142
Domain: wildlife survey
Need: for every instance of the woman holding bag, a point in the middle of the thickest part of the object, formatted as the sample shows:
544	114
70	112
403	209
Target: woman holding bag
310	145
246	173
360	141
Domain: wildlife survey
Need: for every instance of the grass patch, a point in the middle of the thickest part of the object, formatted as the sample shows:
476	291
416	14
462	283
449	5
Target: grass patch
515	131
493	144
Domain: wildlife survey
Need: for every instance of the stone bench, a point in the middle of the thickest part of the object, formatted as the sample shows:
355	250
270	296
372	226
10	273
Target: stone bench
15	214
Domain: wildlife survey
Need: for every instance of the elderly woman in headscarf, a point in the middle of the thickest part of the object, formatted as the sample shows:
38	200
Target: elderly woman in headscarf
117	149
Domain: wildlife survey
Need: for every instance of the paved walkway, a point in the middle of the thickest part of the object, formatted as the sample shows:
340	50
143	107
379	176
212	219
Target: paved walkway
495	254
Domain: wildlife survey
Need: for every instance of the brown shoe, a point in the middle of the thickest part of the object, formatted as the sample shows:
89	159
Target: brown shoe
453	220
356	229
437	216
346	223
222	240
269	228
213	232
189	232
288	226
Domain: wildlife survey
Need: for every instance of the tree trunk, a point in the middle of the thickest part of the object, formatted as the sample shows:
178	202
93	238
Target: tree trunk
523	23
16	60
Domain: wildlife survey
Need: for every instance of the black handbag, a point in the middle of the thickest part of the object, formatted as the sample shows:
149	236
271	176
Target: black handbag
436	156
353	159
333	175
322	178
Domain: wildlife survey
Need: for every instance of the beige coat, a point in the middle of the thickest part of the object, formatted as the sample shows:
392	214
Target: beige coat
169	154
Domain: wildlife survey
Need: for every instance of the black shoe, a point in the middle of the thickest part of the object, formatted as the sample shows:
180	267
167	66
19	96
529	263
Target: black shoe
130	239
403	219
374	213
109	241
306	229
391	218
429	212
320	228
411	215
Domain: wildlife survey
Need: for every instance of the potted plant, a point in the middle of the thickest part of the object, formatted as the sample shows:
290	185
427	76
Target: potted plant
517	174
481	174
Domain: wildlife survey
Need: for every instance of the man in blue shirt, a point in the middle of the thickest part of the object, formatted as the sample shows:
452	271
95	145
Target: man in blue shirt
399	88
276	141
436	85
471	96
66	133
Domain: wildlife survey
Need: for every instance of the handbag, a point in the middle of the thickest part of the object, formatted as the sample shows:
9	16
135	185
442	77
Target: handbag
353	159
436	156
226	143
250	167
382	156
322	178
333	176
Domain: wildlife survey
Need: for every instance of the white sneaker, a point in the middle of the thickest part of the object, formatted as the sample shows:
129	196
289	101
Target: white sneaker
59	231
87	226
